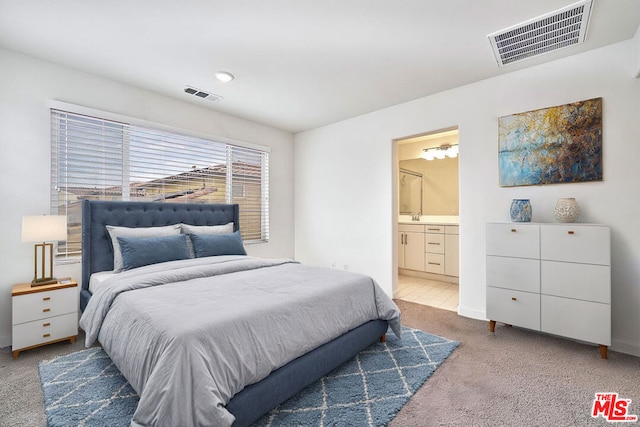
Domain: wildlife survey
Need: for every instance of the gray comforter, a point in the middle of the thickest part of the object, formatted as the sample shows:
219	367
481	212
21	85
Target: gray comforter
219	324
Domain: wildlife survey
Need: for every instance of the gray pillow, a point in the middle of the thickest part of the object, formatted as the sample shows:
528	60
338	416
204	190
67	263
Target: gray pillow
115	232
202	230
217	244
141	251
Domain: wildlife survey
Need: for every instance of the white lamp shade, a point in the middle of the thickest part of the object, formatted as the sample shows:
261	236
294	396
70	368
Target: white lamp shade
44	228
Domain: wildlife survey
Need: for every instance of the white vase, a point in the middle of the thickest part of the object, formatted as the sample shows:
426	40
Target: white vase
567	210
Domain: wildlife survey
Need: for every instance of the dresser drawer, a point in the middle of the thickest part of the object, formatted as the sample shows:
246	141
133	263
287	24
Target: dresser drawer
520	274
581	320
434	243
513	240
434	229
44	330
40	305
434	263
513	307
578	281
586	244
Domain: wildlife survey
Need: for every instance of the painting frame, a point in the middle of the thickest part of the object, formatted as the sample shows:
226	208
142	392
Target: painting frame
554	145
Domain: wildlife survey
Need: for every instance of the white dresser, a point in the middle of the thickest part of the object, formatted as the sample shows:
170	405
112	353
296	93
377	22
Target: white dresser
43	315
554	278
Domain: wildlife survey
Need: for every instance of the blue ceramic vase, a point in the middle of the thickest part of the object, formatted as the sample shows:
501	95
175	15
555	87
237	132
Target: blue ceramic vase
521	210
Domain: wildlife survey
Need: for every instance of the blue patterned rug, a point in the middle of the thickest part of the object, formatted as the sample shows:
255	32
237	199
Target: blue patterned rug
86	389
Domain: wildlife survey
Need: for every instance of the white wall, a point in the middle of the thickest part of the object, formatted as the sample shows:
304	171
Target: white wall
344	173
27	85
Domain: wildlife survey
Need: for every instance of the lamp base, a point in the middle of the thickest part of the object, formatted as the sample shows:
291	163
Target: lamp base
45	281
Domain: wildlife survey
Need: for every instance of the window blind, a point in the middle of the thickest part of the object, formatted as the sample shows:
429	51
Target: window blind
99	159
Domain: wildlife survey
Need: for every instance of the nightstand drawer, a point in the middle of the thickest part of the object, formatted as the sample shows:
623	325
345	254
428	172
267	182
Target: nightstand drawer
434	263
514	307
434	243
40	305
42	331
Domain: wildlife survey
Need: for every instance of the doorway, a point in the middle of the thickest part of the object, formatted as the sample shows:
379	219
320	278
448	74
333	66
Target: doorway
426	212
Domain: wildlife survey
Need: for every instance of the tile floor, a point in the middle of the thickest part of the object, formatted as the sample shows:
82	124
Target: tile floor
428	292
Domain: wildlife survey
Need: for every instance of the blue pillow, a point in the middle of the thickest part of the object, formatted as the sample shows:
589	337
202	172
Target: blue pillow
140	251
217	244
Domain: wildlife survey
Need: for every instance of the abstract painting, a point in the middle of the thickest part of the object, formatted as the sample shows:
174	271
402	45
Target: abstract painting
551	145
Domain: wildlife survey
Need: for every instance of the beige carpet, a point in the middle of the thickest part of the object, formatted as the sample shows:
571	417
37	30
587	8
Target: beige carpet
513	377
510	378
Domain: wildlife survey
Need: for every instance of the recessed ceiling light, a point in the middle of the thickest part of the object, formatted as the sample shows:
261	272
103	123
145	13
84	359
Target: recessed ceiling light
224	76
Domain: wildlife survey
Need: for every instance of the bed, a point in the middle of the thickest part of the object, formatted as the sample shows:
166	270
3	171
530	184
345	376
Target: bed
151	317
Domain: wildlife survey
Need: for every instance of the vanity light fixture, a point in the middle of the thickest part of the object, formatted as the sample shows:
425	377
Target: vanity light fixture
224	76
445	150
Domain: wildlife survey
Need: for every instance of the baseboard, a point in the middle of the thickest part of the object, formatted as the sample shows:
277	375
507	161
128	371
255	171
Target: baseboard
473	314
5	342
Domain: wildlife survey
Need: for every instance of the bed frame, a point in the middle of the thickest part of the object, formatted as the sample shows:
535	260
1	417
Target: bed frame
259	398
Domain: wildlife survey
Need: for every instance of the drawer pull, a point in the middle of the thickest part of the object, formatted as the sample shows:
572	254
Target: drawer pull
433	229
46	335
514	299
44	325
46	299
433	243
46	310
434	263
513	230
570	232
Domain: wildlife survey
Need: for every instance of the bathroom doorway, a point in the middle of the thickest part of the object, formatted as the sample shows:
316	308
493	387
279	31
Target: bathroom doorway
426	209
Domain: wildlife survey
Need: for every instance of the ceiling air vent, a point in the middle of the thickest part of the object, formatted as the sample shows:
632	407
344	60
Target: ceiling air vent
556	30
202	94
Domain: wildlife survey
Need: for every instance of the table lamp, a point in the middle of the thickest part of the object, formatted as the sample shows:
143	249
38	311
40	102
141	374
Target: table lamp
43	228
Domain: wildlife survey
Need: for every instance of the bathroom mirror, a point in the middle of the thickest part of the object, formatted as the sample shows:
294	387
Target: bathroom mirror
410	192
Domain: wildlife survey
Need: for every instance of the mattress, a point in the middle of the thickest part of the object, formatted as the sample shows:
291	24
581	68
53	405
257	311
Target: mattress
97	279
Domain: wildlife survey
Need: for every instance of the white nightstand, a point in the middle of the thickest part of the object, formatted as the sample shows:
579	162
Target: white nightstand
43	315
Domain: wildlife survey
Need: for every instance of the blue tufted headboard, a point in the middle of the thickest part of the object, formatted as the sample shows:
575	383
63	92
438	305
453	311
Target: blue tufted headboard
97	253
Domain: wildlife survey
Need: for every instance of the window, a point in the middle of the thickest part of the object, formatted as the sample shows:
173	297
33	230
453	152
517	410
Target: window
99	159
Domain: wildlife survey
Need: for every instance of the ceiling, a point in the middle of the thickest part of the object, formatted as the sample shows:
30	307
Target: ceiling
299	64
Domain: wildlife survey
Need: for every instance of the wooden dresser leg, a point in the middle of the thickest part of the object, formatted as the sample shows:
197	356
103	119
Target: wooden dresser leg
16	354
603	351
492	325
72	339
383	338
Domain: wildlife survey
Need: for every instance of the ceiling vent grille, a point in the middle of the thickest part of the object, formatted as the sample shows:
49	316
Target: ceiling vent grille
202	94
556	30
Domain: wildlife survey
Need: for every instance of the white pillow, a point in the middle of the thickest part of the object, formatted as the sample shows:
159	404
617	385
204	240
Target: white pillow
204	229
115	232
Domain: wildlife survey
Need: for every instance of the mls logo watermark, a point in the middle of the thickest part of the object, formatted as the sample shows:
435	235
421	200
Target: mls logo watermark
612	408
